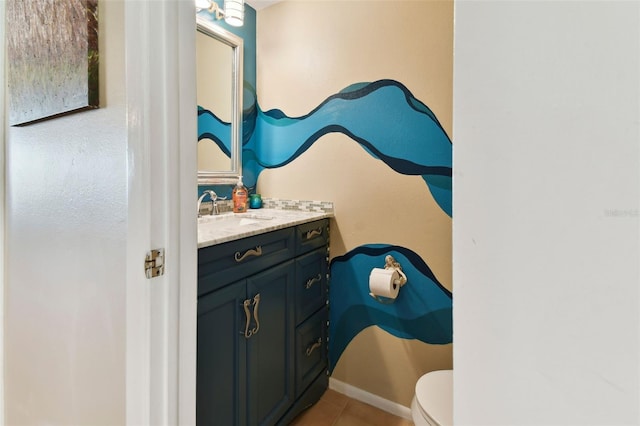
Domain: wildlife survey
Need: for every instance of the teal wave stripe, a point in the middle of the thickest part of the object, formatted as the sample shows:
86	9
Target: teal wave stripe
211	127
422	310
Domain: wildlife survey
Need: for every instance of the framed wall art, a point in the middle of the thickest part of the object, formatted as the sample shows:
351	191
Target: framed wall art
52	52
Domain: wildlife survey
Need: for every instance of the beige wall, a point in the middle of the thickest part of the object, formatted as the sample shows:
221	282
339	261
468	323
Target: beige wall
309	50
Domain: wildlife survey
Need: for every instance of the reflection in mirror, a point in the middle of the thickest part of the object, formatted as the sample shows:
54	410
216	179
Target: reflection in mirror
214	84
219	85
211	158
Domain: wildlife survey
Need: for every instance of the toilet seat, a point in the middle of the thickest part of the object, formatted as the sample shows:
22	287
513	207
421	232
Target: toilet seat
434	397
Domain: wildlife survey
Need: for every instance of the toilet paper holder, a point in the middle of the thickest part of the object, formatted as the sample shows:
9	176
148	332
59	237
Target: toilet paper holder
390	263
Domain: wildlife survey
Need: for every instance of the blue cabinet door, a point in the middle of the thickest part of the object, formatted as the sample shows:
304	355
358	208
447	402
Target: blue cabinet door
270	351
221	391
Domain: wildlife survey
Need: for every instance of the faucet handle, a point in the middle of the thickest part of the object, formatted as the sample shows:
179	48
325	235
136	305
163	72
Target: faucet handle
214	209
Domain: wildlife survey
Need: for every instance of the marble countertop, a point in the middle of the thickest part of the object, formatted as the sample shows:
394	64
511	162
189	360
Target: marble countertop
234	226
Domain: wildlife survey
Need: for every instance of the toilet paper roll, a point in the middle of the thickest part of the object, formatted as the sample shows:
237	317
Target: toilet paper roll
383	282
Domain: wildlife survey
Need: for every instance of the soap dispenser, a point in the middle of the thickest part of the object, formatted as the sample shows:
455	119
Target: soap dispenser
240	196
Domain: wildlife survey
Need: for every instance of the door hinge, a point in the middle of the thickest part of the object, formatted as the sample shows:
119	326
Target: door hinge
154	263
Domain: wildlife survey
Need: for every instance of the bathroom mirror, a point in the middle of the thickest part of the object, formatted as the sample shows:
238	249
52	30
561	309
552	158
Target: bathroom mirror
219	94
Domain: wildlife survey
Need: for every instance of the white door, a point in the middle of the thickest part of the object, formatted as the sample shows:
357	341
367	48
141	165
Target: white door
161	312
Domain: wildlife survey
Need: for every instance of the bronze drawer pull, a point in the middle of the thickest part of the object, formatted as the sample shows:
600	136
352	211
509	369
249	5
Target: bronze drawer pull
313	233
315	346
312	281
252	252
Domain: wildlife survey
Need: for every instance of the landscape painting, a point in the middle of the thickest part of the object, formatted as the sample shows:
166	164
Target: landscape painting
52	52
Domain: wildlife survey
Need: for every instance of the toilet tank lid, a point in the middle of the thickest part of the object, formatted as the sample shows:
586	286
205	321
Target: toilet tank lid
434	393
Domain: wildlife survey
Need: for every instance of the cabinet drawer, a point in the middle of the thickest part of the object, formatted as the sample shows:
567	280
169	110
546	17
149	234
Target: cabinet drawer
222	264
312	235
311	283
311	350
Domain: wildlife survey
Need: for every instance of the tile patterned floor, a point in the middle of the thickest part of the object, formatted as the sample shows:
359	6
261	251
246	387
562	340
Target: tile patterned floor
336	409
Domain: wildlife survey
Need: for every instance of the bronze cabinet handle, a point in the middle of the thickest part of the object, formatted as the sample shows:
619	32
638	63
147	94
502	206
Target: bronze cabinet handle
247	332
313	347
256	305
313	233
252	252
245	305
312	281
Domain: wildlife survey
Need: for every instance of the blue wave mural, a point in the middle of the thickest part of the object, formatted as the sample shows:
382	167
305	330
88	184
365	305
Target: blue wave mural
422	310
383	117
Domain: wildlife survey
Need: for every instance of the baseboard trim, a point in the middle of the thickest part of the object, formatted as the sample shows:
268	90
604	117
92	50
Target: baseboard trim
369	398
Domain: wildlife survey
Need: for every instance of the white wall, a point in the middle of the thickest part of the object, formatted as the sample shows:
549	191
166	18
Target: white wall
66	238
546	253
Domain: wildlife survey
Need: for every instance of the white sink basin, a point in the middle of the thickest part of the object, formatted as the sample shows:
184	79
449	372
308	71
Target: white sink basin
233	219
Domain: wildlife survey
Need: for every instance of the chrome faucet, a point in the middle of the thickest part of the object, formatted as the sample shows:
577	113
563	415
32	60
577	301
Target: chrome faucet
214	198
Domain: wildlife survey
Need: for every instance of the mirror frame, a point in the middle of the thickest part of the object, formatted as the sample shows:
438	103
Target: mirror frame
237	46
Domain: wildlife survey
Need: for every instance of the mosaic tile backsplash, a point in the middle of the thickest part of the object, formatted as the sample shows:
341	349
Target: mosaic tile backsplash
275	203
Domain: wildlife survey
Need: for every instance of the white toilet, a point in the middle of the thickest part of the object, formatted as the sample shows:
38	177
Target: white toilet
432	404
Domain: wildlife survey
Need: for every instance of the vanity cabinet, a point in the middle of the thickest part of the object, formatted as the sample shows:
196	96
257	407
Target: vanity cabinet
262	326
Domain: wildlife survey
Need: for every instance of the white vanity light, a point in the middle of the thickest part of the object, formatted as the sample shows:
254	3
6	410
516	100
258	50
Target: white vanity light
233	12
